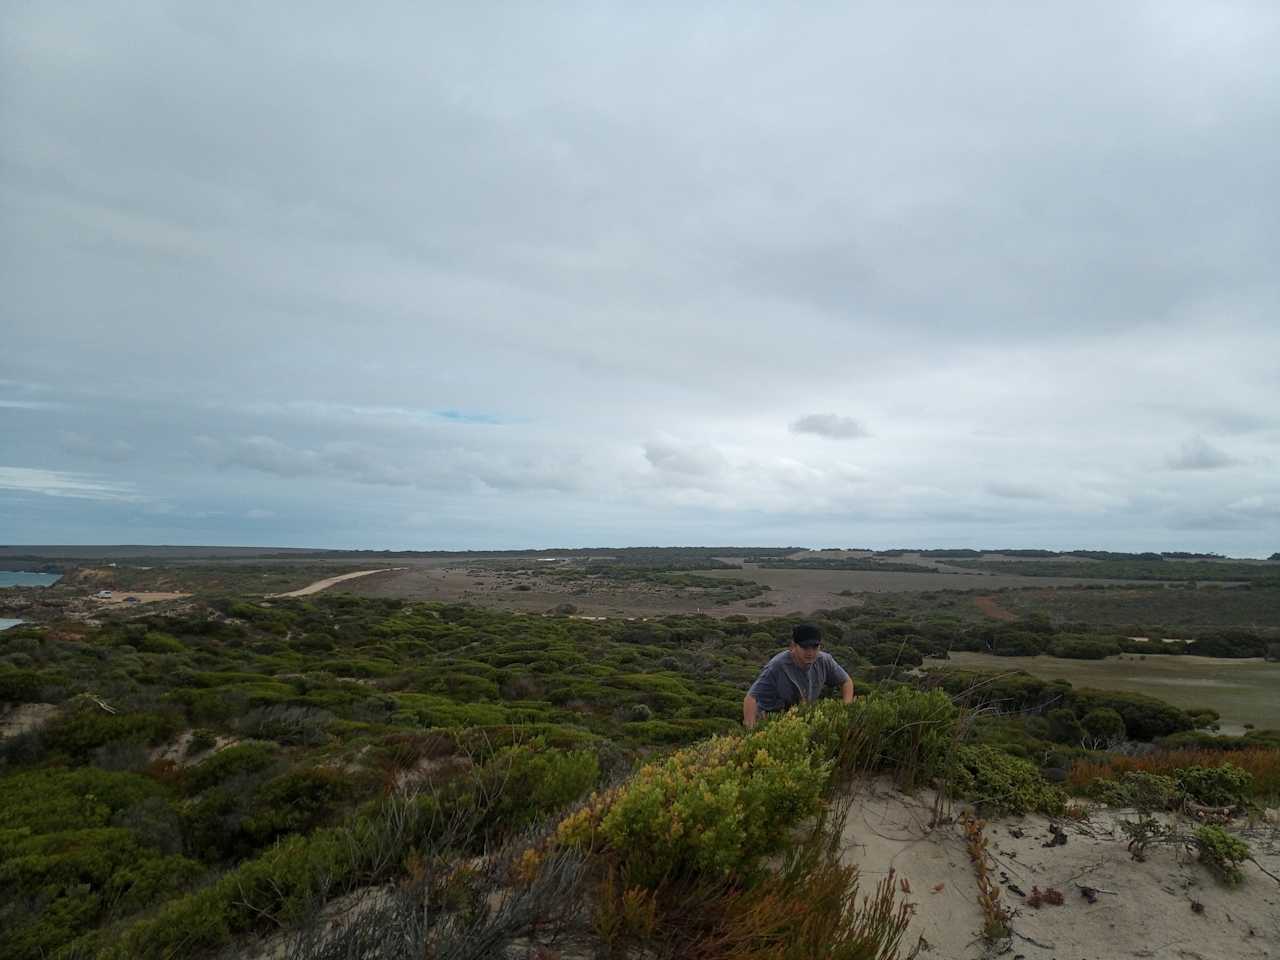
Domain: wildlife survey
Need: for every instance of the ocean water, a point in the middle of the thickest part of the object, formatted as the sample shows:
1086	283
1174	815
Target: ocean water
6	623
25	578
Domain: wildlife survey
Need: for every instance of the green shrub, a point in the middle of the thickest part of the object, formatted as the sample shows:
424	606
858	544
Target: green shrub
432	710
992	778
1104	725
243	758
1224	786
1222	853
1145	718
30	686
77	876
1064	727
715	808
79	731
1136	788
156	642
529	781
52	799
904	730
297	802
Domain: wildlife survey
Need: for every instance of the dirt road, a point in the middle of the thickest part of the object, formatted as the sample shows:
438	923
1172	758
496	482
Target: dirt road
330	581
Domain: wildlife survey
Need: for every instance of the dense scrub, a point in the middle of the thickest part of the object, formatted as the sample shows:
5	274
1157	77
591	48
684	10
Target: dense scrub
225	771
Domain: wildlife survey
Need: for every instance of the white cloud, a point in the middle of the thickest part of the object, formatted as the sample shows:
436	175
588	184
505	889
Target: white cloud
60	483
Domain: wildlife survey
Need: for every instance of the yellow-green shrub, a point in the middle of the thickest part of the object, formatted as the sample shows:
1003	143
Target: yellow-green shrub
715	808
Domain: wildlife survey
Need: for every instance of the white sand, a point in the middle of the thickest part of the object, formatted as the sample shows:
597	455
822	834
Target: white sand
1148	914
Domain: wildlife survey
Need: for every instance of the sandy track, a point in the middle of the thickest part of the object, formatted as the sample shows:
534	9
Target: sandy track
330	581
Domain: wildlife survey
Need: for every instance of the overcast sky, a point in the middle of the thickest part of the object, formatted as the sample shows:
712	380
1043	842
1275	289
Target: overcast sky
446	275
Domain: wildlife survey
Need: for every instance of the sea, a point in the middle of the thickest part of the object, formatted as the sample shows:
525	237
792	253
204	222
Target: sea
26	578
6	623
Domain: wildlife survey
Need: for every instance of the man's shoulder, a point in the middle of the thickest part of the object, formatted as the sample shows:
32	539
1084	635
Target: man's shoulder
830	665
778	660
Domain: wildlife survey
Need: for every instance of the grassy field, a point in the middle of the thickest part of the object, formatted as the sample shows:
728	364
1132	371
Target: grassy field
1242	691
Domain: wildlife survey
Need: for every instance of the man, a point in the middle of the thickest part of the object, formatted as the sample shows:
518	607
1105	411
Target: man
796	675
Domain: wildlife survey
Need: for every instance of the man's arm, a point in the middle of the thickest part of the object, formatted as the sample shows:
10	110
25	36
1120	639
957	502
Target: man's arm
749	710
846	690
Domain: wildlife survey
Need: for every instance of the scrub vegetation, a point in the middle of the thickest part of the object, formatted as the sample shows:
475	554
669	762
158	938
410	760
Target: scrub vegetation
223	772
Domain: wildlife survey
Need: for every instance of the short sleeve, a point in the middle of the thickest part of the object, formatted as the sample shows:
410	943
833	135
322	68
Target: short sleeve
765	689
835	672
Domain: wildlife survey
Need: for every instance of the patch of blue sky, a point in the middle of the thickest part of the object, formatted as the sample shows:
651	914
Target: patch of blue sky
467	416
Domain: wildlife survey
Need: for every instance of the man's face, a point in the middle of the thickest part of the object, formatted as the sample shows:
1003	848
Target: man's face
804	656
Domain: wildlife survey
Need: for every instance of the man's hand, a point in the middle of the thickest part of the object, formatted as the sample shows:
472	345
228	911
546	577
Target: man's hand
846	691
749	711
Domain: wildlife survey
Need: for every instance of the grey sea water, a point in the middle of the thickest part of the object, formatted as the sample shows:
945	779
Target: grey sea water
6	623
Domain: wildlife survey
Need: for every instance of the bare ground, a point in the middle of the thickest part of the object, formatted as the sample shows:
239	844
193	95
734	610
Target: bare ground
790	591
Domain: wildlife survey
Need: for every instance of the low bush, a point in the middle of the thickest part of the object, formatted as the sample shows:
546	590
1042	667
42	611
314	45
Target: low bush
79	731
1064	727
1104	726
30	686
238	760
1145	791
1224	786
904	730
994	779
297	802
53	799
529	781
710	810
71	879
1222	853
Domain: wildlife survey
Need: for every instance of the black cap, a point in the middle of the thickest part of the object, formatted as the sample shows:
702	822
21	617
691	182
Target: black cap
806	635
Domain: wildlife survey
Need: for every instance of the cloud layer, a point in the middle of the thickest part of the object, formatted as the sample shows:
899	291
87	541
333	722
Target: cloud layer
454	277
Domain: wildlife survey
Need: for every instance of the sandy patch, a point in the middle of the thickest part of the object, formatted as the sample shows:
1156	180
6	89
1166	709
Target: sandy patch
119	597
25	717
178	752
330	581
1141	909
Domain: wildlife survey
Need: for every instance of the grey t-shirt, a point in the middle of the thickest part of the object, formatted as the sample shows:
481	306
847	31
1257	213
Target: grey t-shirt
782	684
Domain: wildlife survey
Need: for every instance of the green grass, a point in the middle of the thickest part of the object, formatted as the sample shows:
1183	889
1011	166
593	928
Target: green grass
1242	691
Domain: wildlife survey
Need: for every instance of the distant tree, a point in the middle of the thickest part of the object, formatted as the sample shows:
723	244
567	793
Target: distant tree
1104	727
903	654
1064	727
1273	652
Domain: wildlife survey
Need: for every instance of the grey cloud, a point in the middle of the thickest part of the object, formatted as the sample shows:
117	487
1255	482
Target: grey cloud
830	425
475	269
1016	491
690	459
1198	454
